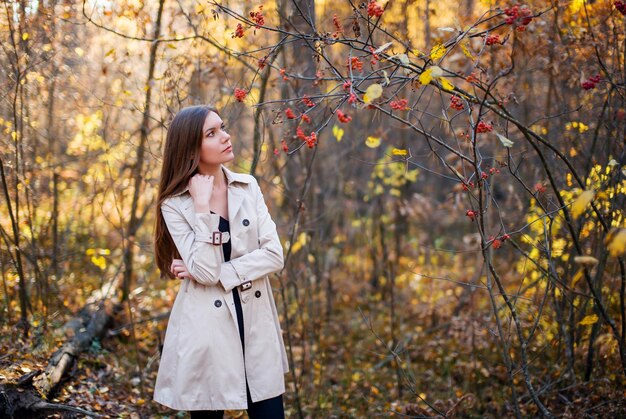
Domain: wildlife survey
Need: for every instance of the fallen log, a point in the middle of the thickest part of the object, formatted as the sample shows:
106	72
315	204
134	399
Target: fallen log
26	398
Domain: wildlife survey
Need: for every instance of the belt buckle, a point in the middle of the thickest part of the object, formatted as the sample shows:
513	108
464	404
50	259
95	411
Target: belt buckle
217	237
246	285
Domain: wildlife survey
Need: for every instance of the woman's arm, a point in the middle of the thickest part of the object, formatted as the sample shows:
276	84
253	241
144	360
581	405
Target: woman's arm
268	258
202	259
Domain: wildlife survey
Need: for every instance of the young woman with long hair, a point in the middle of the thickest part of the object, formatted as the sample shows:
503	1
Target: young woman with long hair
223	348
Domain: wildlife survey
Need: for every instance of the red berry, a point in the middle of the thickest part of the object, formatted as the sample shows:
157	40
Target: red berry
343	117
239	32
374	9
456	103
289	113
240	94
483	127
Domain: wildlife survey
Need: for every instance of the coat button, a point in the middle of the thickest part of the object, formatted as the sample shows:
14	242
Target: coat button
246	222
257	294
218	303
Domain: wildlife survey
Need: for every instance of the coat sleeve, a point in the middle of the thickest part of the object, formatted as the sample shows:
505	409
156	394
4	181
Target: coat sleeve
202	259
268	258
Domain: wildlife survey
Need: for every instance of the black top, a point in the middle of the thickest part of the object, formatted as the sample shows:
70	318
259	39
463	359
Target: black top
225	227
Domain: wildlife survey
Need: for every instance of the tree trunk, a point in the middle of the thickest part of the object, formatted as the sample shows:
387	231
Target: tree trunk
135	221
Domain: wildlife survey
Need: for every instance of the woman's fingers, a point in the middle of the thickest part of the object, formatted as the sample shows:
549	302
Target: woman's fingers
179	269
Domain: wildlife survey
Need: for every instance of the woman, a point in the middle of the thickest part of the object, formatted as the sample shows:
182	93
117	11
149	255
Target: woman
223	346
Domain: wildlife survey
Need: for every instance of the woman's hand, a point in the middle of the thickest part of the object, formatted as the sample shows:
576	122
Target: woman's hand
179	269
201	188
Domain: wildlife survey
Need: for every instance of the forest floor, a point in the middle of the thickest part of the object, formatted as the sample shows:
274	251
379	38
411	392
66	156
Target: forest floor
444	355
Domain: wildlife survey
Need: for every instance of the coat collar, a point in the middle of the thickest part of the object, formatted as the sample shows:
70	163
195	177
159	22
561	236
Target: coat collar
231	177
236	195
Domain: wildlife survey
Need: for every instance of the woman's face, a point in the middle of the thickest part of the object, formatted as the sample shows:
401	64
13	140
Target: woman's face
216	147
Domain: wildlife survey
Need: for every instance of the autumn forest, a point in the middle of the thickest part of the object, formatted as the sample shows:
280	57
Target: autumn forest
448	181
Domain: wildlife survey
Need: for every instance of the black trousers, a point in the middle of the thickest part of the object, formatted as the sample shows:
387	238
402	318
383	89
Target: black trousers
263	409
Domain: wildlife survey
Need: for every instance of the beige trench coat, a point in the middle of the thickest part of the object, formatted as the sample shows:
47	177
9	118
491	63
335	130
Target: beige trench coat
203	365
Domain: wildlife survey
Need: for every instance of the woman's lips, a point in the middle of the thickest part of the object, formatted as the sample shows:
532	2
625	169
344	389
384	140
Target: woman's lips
230	148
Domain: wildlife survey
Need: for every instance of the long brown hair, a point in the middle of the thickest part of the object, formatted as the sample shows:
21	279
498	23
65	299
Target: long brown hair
181	157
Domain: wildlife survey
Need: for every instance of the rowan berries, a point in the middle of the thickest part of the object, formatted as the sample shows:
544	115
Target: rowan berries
239	31
343	117
400	104
483	127
240	94
289	113
374	9
471	214
456	103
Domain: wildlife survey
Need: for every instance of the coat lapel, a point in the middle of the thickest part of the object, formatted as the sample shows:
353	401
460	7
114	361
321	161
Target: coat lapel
235	199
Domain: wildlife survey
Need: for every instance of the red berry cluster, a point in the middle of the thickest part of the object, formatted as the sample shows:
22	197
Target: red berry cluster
306	118
283	145
347	85
352	98
289	113
308	102
497	242
355	64
467	184
240	94
591	82
519	16
471	214
262	63
620	6
375	57
310	140
343	117
540	187
456	103
283	74
239	32
483	127
257	17
338	27
400	104
492	39
374	9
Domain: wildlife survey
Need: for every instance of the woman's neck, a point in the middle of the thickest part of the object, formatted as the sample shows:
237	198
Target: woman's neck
219	178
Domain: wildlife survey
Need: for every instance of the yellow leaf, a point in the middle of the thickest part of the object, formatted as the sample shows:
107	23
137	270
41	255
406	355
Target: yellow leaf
338	132
373	92
399	152
577	277
25	36
578	207
589	320
437	52
99	261
446	84
616	242
576	5
372	142
466	50
426	76
302	238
